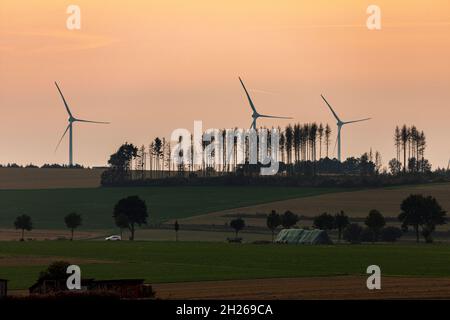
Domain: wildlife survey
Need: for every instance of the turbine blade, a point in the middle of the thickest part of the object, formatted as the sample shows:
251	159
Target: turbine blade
329	106
357	120
64	100
89	121
335	144
337	139
248	96
62	137
276	117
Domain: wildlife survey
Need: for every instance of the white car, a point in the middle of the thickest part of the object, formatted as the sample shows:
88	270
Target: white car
113	238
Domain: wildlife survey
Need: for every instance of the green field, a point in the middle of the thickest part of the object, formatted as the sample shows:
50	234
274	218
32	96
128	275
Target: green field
48	207
193	261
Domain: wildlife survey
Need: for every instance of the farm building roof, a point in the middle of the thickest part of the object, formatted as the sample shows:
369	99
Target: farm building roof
303	236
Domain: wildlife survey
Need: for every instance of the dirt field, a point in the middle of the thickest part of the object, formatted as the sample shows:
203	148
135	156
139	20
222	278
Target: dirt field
345	287
33	178
355	204
41	234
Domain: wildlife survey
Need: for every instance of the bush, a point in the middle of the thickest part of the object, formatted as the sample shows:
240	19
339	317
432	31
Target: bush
367	235
324	221
390	234
353	232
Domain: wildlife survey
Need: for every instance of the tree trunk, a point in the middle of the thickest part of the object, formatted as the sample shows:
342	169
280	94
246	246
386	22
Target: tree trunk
273	235
23	232
417	233
404	157
132	232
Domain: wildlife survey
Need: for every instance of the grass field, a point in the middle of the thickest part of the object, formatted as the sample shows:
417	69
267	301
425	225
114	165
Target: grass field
160	262
48	207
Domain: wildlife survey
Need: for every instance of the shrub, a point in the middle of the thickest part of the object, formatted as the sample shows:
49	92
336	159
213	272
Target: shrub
352	233
367	235
324	221
390	234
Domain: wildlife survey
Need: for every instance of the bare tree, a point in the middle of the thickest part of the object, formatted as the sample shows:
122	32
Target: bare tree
327	137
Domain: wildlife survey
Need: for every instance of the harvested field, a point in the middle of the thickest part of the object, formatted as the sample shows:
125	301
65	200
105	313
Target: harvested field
355	204
342	287
35	178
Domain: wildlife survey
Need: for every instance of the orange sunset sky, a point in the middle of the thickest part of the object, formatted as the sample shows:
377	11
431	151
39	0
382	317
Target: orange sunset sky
152	66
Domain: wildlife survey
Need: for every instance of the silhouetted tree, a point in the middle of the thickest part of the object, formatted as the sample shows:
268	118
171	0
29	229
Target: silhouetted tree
120	165
327	137
273	222
237	224
23	223
390	234
176	227
353	232
289	219
134	209
397	142
375	222
341	222
419	211
324	221
395	166
404	136
321	132
121	222
55	271
73	220
289	135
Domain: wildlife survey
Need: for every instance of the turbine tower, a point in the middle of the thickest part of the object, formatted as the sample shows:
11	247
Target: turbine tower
255	114
340	124
69	128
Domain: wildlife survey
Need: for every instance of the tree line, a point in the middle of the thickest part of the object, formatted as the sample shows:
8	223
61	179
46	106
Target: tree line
421	213
410	144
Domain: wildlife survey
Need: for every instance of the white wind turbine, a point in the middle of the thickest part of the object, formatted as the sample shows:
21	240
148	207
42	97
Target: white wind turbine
255	114
69	128
340	124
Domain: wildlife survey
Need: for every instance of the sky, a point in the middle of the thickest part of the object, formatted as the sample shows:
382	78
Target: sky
152	66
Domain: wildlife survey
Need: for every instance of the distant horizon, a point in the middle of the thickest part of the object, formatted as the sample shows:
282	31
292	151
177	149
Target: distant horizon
149	68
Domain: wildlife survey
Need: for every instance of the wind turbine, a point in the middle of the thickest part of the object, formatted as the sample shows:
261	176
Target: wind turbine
69	128
340	124
255	114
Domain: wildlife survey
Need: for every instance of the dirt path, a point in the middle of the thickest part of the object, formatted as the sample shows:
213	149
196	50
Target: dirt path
42	234
342	287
